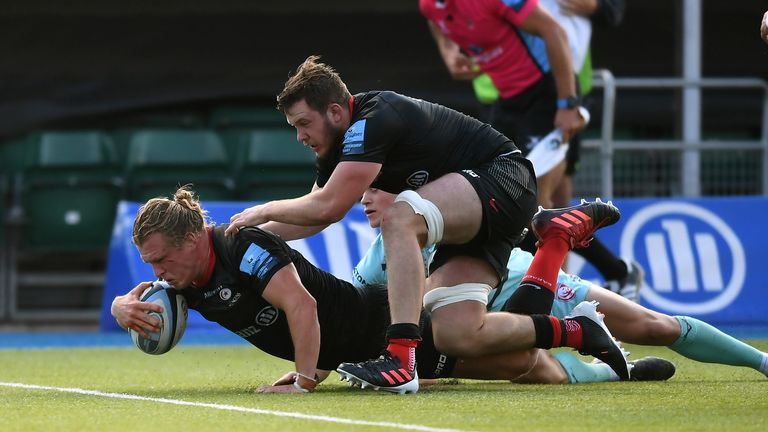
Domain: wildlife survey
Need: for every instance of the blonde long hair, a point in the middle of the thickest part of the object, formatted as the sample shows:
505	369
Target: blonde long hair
174	218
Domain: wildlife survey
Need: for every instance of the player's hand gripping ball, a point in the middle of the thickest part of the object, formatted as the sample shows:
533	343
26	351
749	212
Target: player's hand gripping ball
173	320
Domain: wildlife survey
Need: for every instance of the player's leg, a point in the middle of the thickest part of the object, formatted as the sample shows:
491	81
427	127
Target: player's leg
415	220
520	366
446	211
558	230
527	366
685	335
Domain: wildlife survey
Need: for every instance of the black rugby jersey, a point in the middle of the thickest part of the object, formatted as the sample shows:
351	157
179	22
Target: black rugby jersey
352	321
415	141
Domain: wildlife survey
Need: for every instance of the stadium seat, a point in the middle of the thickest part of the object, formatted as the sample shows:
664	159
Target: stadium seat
70	188
246	116
161	160
275	166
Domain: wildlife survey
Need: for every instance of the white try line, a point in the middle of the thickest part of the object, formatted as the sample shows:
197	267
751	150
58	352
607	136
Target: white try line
230	408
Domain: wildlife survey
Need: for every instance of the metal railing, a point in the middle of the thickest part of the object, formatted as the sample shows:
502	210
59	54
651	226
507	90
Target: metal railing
607	145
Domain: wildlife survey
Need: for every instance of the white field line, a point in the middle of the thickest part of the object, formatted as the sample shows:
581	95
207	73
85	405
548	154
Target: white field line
230	408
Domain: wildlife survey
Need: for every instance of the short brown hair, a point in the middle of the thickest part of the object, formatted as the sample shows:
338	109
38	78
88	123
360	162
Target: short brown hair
174	218
317	83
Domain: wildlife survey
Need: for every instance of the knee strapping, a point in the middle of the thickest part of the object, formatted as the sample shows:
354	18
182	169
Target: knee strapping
428	211
444	296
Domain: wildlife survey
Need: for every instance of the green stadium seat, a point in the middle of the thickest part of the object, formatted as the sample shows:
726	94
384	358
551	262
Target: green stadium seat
161	160
246	116
275	166
70	188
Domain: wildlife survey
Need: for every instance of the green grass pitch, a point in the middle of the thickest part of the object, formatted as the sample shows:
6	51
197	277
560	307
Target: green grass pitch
211	388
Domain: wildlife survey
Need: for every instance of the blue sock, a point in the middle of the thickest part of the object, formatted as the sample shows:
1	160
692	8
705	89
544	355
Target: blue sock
701	342
580	372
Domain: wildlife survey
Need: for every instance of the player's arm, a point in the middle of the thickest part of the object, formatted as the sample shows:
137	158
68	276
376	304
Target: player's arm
322	206
541	23
289	378
459	65
286	292
293	232
131	313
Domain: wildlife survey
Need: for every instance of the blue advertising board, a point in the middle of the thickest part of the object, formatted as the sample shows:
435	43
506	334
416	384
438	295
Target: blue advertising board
702	257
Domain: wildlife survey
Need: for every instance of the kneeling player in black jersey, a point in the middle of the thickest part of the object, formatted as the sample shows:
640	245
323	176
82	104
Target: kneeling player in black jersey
256	286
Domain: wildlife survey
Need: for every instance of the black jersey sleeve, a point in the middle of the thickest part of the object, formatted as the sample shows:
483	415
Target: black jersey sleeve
260	254
375	129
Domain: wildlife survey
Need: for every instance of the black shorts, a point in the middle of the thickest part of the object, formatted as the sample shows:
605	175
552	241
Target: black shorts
506	187
528	116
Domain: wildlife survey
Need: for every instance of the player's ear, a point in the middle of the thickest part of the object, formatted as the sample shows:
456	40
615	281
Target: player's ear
335	112
193	238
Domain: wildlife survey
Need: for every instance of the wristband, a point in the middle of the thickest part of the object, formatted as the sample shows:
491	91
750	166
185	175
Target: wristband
569	102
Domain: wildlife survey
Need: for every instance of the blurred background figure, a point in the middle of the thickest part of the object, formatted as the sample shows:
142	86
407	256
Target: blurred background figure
526	116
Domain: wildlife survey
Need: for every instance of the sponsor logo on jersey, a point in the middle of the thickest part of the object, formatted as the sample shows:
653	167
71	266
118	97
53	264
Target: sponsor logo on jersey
248	332
257	261
354	139
417	179
213	292
696	263
267	316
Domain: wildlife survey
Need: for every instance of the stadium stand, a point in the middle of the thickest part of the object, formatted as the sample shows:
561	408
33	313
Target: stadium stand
245	116
274	166
160	160
70	187
63	208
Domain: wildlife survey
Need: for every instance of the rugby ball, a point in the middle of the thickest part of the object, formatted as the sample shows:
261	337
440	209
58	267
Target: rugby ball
173	319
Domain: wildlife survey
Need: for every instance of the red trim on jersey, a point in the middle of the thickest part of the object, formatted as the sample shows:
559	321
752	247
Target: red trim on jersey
211	263
351	105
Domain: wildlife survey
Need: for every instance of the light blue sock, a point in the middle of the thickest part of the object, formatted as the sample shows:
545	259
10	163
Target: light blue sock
580	372
702	342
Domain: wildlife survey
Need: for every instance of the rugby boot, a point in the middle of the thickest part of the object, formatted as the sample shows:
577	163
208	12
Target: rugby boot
651	369
597	339
576	224
384	373
630	285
